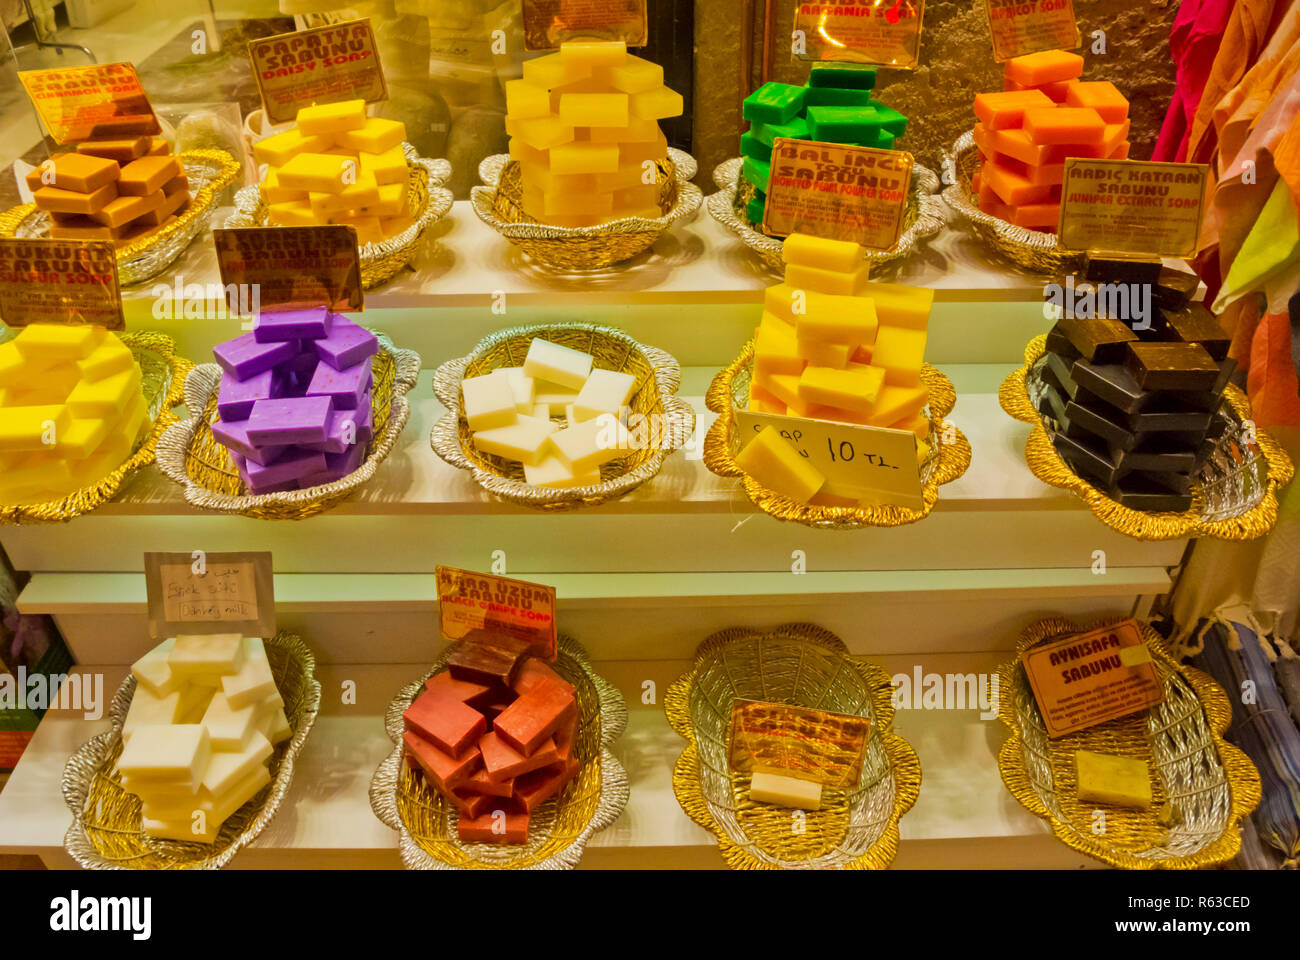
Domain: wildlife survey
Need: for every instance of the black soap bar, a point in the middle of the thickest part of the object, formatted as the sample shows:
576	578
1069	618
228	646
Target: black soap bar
1161	458
1089	459
1113	382
1175	288
1082	422
1171	482
1117	270
1151	497
1096	339
1059	344
1195	324
1172	366
1056	371
487	657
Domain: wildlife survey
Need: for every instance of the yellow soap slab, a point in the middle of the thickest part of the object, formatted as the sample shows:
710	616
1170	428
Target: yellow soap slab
898	403
527	440
32	428
546	181
656	104
363	193
583	447
55	341
13	365
596	53
542	133
391	202
280	149
33	477
900	351
526	100
584	158
636	131
819	280
1121	781
375	136
626	176
555	70
294	213
318	173
822	354
776	350
594	110
105	397
809	251
785	387
386	167
635	75
553	473
849	321
638	153
331	118
783	791
854	389
368	227
898	305
568	204
775	464
272	192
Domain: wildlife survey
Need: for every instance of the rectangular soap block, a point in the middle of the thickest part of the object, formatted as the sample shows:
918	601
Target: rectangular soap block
557	364
901	352
819	280
216	653
448	724
58	200
235	398
773	103
103	398
1001	110
442	770
900	305
1097	339
527	440
1045	66
147	175
310	324
347	344
784	791
855	389
776	465
842	75
1101	96
290	420
347	388
658	103
635	75
595	109
254	681
1069	125
377	135
585	446
487	658
489	401
175	753
1121	781
318	173
605	391
502	762
73	171
245	356
1172	366
120	151
531	719
810	251
332	118
535	788
845	124
229	728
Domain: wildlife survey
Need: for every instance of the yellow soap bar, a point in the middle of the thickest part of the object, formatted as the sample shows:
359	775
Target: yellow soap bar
775	464
822	354
900	352
331	118
527	440
809	251
898	305
213	653
32	428
819	280
760	401
642	152
278	150
584	158
785	387
636	131
376	135
898	403
293	213
488	401
657	103
555	70
391	202
363	193
13	365
104	397
272	192
387	167
55	341
594	109
786	791
542	133
83	436
546	181
552	472
318	173
596	53
854	389
604	392
849	321
583	447
563	204
557	364
367	226
776	352
526	100
627	175
1120	781
635	75
41	386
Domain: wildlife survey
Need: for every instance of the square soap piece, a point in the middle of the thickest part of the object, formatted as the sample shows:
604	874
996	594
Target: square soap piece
290	420
843	76
346	345
604	392
1172	366
773	103
489	401
310	324
557	364
245	357
775	464
1120	781
214	653
172	753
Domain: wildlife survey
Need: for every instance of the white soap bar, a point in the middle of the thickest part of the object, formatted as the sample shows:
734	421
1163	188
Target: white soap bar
525	440
254	682
147	709
489	401
559	365
214	653
227	769
239	794
275	725
553	472
555	400
229	728
585	446
181	829
785	791
568	415
152	672
604	392
177	753
180	825
522	385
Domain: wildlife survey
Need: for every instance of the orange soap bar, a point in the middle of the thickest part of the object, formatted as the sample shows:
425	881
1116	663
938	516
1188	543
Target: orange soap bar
119	151
71	226
1011	187
513	827
1039	216
536	788
481	783
1056	91
170	204
123	210
443	770
527	722
1072	125
1100	95
1000	110
477	695
72	171
447	723
470	804
535	672
56	200
504	762
158	147
1046	66
176	183
147	175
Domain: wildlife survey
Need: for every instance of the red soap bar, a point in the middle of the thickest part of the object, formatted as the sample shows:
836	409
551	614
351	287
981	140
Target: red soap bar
527	722
513	827
487	658
482	783
534	789
469	804
567	733
497	707
449	724
445	771
475	695
503	762
534	672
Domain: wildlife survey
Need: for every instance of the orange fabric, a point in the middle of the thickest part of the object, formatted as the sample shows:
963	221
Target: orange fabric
1241	319
1272	382
1286	158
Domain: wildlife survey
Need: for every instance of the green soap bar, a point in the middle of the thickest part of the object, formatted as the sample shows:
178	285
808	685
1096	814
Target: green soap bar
751	146
755	209
843	76
884	140
895	122
757	172
796	129
837	97
844	124
773	103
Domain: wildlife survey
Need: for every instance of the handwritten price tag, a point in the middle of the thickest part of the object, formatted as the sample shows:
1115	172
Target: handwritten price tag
321	65
59	281
199	593
1132	207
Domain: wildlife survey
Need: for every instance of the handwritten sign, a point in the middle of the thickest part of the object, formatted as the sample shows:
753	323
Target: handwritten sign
91	102
482	601
858	194
549	23
1132	207
1085	679
321	65
203	593
809	744
875	464
883	32
293	267
59	281
1019	27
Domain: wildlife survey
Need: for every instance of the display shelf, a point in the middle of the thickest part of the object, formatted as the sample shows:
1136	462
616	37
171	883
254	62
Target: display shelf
964	817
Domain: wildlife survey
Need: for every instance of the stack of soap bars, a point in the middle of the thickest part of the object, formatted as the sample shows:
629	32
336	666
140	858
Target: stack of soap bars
833	346
71	410
336	165
509	413
1025	133
200	730
494	735
117	190
584	129
1134	411
295	399
835	106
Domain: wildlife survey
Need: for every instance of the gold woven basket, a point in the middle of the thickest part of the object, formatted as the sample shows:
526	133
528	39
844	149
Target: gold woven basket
1235	496
105	833
807	666
427	201
924	217
209	173
1206	785
194	458
654	397
948	459
558	830
1032	249
162	382
498	204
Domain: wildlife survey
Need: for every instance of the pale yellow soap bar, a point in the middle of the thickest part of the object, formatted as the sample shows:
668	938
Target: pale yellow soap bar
228	768
604	392
387	167
823	354
376	135
318	173
292	213
254	682
278	150
854	389
543	133
554	473
556	70
900	306
527	440
555	399
809	251
576	158
229	727
850	321
785	791
212	653
583	447
272	192
152	671
901	352
594	109
819	280
521	384
557	364
489	401
174	753
1121	781
658	103
635	75
775	464
593	53
331	118
526	100
147	709
364	192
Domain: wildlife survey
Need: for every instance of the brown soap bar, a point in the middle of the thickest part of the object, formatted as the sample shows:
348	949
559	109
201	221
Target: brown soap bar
1115	270
147	175
119	151
127	124
75	227
1165	453
123	210
1195	324
1059	344
1090	459
176	183
55	200
1096	339
1172	366
1175	288
1138	492
158	147
169	205
487	658
72	171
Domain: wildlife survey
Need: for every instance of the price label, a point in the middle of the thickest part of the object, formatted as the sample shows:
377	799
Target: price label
1135	207
469	601
875	464
1019	27
292	267
884	32
858	194
205	593
320	65
799	741
92	102
1085	679
59	281
549	23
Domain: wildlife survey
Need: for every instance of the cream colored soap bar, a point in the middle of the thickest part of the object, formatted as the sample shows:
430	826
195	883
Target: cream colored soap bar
176	753
522	386
254	682
214	653
604	392
154	673
554	473
526	440
229	728
585	446
147	709
226	769
489	401
770	460
785	791
557	364
1120	781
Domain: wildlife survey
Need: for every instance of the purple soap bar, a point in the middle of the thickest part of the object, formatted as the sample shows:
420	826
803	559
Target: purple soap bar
348	428
337	466
309	324
233	435
290	420
295	464
299	371
346	345
345	387
244	357
242	464
235	398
